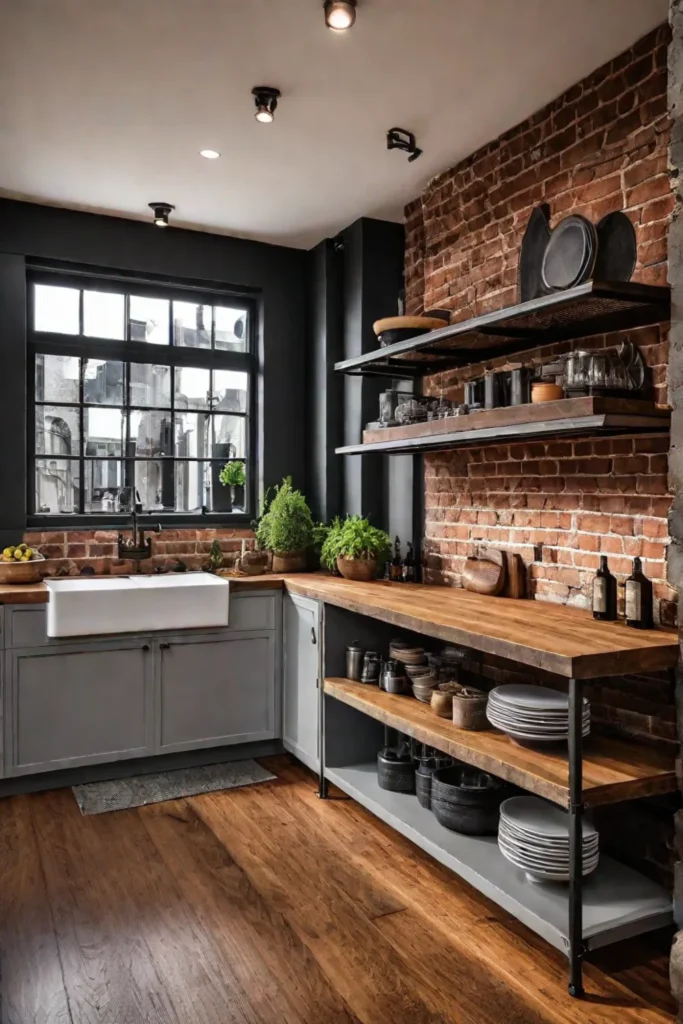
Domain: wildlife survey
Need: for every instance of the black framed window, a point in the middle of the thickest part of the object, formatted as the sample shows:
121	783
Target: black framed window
142	393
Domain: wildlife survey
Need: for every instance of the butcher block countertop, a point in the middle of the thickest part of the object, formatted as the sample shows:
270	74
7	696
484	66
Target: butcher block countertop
561	640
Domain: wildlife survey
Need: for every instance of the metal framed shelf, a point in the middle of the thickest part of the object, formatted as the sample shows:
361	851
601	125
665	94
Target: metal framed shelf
568	417
594	307
618	902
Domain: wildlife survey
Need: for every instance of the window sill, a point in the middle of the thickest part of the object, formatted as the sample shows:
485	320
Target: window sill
60	524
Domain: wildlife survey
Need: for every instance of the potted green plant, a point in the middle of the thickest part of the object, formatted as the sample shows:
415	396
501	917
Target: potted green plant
355	548
233	475
286	529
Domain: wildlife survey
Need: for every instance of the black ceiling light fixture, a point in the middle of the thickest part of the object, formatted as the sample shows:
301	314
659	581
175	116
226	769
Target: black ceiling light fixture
161	212
266	99
340	14
399	138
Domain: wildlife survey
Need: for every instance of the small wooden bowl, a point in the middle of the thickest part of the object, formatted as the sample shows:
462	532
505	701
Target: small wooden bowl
482	576
469	711
542	392
22	572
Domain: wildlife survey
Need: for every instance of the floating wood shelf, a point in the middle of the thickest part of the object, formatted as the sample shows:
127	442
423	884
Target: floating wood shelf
613	770
565	641
619	903
569	417
593	307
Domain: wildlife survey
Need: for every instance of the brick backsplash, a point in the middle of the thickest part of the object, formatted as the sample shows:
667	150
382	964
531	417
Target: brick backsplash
72	550
600	146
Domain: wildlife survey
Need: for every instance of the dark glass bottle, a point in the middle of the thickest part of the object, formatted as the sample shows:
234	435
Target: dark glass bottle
604	593
409	575
638	598
396	567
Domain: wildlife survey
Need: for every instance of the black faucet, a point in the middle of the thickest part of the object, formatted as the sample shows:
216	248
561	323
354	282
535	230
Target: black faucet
139	547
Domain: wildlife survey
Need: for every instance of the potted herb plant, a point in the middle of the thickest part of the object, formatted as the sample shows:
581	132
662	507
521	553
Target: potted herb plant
286	529
355	548
233	475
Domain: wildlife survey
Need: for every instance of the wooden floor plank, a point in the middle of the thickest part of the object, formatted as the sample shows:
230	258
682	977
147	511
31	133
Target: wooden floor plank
132	949
265	954
528	966
291	872
31	983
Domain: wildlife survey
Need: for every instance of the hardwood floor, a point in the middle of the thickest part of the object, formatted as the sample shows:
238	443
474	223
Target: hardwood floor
265	905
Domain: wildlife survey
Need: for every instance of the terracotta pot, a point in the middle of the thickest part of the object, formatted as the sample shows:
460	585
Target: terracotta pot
22	572
289	561
361	569
542	392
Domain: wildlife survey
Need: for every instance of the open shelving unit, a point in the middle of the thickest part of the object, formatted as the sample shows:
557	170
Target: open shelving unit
594	307
613	903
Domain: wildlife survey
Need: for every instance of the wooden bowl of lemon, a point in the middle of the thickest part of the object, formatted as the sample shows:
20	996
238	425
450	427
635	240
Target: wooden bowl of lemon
20	564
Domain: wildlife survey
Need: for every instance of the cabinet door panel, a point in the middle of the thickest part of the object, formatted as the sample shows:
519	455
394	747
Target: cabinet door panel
72	707
300	704
215	692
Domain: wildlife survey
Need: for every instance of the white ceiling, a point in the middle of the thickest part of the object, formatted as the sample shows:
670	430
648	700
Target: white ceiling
105	103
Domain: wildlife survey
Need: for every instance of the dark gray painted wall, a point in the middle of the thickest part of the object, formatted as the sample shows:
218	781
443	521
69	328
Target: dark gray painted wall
274	274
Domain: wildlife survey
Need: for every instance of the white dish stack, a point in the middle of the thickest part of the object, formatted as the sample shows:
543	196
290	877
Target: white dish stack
534	836
533	714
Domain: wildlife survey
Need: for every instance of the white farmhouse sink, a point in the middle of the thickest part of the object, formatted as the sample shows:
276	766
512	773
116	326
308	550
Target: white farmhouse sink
136	604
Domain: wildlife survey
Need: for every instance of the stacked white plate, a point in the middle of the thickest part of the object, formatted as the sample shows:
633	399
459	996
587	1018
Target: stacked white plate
534	836
533	714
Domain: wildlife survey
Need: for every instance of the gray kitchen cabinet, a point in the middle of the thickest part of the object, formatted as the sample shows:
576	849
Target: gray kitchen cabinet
301	678
78	705
216	690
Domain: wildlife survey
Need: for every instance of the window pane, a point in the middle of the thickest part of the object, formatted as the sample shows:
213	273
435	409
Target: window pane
193	434
56	309
229	437
229	391
57	483
57	430
105	489
154	485
192	388
56	378
193	486
103	315
104	432
103	382
148	320
230	327
150	434
227	498
150	385
191	325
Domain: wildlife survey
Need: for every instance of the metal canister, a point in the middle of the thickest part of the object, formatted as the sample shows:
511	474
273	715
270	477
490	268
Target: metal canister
354	661
372	664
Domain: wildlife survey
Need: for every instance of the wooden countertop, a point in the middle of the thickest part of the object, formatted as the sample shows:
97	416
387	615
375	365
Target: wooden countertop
613	770
565	641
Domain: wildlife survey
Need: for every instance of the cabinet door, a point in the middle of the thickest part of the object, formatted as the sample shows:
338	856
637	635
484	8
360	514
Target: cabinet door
301	679
216	691
78	705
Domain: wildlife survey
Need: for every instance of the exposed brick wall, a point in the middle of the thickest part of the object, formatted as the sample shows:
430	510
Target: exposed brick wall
72	550
599	147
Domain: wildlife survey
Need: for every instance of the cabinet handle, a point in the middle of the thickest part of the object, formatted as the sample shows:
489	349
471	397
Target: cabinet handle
145	647
314	638
164	647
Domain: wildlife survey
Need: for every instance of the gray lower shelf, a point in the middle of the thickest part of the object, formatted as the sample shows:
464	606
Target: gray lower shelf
618	903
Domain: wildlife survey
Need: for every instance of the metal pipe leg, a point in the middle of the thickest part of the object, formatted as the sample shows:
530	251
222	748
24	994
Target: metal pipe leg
323	783
576	946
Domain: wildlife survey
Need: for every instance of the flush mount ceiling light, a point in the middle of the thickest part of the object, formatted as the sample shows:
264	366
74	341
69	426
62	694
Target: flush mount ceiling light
209	154
340	14
266	99
161	212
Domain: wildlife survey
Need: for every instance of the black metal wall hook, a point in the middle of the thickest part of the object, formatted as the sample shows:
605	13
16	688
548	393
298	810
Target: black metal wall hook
399	138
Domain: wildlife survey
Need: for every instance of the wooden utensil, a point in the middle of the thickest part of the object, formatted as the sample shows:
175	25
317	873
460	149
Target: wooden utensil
484	573
516	576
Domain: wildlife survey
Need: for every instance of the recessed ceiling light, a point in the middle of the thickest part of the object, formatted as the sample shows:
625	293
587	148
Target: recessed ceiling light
161	212
209	154
340	14
266	99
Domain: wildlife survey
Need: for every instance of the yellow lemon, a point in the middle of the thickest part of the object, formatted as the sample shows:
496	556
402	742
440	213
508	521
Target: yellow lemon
8	552
17	554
